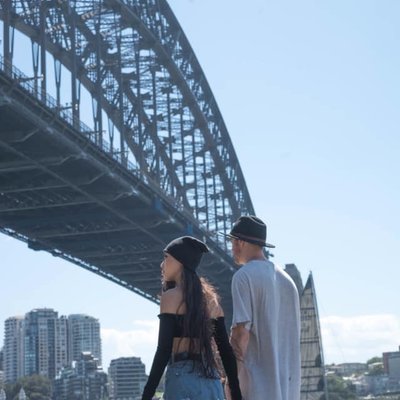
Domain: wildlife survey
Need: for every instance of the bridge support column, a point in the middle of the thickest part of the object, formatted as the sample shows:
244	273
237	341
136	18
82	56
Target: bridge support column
8	35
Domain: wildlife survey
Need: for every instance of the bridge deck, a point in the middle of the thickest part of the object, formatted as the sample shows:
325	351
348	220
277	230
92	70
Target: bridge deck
61	193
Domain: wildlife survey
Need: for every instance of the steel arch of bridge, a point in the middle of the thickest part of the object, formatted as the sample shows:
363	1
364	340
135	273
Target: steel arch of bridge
135	60
152	108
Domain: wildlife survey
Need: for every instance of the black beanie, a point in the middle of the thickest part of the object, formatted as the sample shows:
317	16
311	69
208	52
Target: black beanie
187	250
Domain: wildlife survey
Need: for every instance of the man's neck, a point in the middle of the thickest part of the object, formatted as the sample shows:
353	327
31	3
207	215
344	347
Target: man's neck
255	257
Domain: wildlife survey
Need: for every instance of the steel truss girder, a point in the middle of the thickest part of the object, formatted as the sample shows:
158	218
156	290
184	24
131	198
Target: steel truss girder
90	229
69	59
163	108
75	244
145	228
81	234
22	186
39	221
118	266
110	250
19	166
149	291
103	201
159	34
158	17
102	255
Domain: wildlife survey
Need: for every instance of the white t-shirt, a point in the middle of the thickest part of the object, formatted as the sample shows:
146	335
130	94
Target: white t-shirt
266	300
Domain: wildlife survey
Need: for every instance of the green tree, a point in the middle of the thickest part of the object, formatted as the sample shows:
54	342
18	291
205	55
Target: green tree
374	360
36	387
11	390
376	370
339	389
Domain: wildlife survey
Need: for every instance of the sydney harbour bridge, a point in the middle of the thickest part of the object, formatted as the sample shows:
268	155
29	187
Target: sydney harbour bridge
111	142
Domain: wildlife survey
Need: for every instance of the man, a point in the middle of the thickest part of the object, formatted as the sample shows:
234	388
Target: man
266	318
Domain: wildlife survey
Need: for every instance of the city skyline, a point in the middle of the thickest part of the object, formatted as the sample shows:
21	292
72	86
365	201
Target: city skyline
105	366
310	95
42	342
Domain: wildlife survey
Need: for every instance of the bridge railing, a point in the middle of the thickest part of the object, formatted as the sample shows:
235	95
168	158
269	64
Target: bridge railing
50	102
28	84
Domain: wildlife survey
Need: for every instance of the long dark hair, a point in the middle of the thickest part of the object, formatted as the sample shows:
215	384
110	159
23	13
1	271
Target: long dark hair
197	326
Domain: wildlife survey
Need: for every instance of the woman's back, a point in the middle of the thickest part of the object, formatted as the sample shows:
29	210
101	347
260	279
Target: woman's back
172	302
190	321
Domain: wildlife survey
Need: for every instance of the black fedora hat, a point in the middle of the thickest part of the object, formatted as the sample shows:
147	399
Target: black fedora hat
250	229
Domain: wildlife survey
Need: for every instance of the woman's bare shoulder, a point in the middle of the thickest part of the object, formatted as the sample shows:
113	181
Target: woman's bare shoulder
171	300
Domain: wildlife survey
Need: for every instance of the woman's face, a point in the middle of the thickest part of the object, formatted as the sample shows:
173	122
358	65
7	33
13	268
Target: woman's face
171	268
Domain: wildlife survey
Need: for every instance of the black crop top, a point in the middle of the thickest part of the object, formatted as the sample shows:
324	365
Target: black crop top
178	328
171	325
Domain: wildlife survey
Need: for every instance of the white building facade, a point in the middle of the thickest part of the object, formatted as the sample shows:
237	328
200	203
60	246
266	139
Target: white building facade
13	349
127	378
83	336
43	343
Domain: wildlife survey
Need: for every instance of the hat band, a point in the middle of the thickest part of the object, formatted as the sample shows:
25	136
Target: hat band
241	236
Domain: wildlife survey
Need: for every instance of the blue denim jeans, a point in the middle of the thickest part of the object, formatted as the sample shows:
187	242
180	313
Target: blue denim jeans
183	382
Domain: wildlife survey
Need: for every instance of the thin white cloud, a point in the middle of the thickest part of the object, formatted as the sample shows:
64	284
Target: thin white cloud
141	342
356	339
345	339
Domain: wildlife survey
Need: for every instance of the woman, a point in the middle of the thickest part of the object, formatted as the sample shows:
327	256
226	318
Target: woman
190	316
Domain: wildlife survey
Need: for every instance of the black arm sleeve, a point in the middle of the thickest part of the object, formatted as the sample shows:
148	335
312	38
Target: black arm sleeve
228	357
163	352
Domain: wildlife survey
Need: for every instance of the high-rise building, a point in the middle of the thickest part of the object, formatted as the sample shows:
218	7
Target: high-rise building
391	364
1	369
13	349
127	378
84	380
83	336
45	342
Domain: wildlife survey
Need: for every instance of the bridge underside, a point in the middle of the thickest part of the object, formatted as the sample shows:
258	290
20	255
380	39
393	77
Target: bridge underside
61	193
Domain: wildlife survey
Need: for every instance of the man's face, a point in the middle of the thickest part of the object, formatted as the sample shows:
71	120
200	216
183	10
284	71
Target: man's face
237	246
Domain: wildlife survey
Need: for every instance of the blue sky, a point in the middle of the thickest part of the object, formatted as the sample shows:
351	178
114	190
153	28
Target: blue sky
310	93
